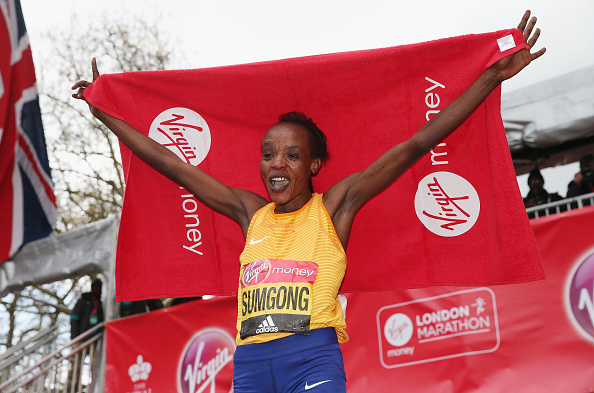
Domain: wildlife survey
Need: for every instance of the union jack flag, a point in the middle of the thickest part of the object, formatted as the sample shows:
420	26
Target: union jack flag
27	202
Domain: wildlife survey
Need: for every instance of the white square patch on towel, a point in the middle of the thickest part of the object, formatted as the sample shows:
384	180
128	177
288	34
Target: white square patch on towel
506	43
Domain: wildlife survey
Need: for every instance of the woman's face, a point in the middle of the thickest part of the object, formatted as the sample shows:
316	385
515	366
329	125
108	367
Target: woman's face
286	166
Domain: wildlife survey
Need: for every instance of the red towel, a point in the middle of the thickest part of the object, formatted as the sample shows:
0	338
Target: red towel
365	101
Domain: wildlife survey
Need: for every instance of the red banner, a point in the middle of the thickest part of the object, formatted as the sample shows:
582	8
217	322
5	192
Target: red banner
459	204
186	349
534	337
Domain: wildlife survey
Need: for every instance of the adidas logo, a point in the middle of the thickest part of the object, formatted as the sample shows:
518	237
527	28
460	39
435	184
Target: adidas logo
267	326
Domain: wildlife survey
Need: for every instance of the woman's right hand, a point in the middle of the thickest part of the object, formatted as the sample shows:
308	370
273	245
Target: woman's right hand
82	85
239	205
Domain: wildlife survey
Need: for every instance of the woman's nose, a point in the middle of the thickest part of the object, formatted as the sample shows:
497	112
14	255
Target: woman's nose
278	162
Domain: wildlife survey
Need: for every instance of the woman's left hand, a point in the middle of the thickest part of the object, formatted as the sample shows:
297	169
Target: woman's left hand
512	64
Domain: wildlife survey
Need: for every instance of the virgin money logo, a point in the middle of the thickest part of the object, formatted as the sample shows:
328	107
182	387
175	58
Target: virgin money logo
256	272
580	296
206	364
447	204
184	132
398	329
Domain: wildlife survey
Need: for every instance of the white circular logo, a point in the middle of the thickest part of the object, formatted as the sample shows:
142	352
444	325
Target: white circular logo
184	132
398	329
447	204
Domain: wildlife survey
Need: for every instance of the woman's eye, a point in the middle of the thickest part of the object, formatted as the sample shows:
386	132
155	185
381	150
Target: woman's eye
267	155
293	156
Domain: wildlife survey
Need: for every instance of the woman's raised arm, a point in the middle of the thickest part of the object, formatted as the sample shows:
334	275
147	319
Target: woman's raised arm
345	198
239	205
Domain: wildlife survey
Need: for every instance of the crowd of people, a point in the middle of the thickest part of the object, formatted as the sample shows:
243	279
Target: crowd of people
582	183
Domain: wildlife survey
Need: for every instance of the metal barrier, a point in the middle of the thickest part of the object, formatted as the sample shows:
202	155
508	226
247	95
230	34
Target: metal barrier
26	353
70	369
561	206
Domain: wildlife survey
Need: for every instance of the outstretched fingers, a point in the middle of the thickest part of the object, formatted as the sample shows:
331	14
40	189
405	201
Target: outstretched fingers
526	26
524	21
532	40
539	53
82	85
94	68
529	28
511	65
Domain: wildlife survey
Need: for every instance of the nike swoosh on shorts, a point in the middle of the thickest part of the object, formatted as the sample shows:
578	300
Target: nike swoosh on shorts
307	386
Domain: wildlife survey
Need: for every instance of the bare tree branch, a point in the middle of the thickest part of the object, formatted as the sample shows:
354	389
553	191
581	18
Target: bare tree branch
84	155
59	307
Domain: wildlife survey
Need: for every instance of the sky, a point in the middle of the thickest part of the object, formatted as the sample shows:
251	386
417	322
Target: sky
223	32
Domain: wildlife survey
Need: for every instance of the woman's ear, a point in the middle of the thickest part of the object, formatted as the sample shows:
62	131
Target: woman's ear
316	165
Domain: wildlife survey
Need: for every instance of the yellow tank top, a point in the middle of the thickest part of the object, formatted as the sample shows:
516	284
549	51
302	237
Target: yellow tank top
292	266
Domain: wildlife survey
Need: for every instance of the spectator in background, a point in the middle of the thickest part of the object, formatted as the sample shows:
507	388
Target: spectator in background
537	194
88	310
583	182
86	314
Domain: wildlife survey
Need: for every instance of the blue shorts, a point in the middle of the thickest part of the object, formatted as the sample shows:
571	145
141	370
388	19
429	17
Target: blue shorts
296	363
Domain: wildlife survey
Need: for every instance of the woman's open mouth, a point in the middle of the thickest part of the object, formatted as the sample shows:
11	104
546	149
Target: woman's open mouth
279	183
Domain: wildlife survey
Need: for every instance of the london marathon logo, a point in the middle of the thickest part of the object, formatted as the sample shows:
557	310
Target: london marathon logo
580	296
184	132
206	365
456	324
447	204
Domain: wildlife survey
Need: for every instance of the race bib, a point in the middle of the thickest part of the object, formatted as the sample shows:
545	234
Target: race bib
276	296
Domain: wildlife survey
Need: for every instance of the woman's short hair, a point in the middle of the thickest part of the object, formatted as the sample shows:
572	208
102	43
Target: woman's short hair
317	140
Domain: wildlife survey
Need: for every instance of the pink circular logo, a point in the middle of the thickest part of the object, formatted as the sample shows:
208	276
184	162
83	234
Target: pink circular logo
581	296
206	364
256	272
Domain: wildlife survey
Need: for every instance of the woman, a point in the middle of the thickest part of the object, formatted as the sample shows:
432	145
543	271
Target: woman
297	241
